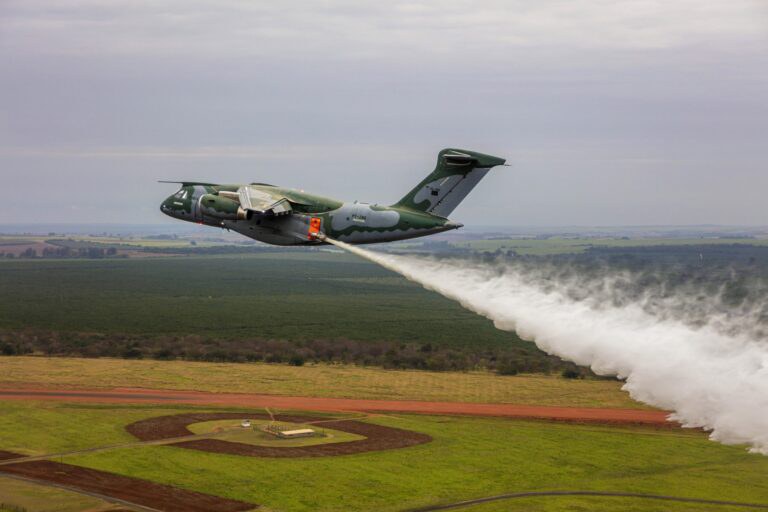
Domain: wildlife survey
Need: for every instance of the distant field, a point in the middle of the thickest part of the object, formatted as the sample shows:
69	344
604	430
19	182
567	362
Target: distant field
136	241
295	296
320	381
292	307
549	246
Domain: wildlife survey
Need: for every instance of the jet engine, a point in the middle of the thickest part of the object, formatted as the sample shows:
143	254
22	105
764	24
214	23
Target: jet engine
212	205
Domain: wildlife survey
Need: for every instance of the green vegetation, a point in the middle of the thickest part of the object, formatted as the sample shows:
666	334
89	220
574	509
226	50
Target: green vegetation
469	458
37	428
302	306
314	380
322	295
293	307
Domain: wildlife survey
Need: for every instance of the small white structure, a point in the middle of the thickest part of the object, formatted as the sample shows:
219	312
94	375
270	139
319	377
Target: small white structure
283	432
246	424
301	432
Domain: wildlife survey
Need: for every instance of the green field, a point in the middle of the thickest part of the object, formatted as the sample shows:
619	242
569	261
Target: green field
468	458
37	428
292	307
294	296
305	296
587	504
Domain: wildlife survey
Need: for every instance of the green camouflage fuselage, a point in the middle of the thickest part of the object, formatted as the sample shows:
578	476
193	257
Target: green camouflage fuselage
284	216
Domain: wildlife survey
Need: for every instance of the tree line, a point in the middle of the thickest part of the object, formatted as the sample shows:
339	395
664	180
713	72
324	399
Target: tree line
503	360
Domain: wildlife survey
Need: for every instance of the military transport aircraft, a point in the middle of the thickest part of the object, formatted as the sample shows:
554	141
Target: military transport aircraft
284	216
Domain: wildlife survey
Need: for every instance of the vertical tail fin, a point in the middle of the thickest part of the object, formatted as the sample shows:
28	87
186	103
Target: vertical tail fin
456	174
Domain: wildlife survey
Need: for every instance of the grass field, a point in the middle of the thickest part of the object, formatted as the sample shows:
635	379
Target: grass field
37	428
295	296
314	380
587	504
468	458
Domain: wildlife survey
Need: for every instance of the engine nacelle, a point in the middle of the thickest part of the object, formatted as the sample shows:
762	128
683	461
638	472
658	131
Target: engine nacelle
212	205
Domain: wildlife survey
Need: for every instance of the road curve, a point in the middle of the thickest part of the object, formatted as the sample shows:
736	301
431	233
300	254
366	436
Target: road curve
153	396
603	494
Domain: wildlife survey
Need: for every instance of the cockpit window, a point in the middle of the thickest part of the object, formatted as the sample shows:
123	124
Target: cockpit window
181	194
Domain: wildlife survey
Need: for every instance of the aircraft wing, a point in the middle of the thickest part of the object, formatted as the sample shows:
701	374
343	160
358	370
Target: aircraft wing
260	201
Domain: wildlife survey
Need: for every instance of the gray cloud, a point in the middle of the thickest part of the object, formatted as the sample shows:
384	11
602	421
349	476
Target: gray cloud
633	112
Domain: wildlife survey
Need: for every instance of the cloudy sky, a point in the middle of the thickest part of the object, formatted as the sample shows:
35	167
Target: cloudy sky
630	112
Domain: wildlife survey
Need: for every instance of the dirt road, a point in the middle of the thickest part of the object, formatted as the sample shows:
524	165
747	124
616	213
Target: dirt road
151	396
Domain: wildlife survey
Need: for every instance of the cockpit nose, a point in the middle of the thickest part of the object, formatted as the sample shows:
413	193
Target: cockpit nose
181	205
167	207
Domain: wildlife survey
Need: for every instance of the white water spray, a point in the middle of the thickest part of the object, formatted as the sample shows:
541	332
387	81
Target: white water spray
713	375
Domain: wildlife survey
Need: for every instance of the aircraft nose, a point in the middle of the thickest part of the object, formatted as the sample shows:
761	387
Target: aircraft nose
167	206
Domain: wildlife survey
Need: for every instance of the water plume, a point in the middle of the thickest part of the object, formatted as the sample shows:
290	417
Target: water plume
679	349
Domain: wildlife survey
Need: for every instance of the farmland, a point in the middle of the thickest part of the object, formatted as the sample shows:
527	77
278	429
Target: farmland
174	322
304	306
575	245
293	296
278	307
467	458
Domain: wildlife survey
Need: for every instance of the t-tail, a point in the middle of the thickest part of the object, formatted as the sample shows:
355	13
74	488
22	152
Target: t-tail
456	174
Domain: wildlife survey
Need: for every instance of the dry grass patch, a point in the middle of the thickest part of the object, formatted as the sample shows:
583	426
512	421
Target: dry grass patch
314	380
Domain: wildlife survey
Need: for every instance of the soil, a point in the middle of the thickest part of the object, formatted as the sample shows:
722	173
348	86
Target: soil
377	437
133	395
9	455
133	490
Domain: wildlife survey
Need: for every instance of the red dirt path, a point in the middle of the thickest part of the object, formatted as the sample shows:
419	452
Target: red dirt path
102	484
9	455
152	396
134	490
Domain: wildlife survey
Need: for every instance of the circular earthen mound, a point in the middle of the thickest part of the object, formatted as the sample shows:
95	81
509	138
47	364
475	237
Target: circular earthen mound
377	437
